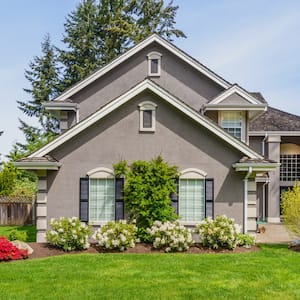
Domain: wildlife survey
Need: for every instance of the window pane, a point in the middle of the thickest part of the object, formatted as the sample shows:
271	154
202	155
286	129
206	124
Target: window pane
154	66
290	167
191	199
231	121
147	119
102	200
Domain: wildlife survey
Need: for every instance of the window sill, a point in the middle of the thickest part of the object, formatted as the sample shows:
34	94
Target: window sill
99	223
189	223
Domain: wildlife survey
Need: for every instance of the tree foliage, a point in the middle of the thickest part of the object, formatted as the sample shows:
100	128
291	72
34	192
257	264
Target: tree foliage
147	192
98	31
14	182
290	204
43	78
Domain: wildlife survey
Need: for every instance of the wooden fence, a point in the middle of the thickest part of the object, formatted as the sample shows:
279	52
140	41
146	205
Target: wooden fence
17	211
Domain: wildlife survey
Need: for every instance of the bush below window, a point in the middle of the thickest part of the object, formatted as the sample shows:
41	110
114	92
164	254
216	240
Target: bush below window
68	234
116	235
170	236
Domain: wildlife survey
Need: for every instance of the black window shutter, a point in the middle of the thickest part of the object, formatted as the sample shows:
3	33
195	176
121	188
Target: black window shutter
84	200
119	192
175	197
209	198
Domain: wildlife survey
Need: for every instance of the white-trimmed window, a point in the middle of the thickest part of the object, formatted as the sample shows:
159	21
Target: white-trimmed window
147	116
192	195
101	195
102	199
154	63
232	122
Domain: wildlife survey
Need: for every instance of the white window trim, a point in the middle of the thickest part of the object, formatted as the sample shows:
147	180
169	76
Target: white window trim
191	173
154	55
147	105
100	173
243	129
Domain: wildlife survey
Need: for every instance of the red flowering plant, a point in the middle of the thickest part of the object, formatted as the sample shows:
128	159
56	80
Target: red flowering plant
8	251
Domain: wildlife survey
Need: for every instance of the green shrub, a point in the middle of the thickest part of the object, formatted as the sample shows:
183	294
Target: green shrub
245	240
17	235
147	192
218	233
170	236
116	235
68	234
290	204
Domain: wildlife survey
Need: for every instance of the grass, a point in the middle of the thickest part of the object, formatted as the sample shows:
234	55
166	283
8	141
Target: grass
272	273
29	229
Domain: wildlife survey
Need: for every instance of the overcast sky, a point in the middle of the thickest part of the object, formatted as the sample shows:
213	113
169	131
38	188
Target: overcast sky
254	43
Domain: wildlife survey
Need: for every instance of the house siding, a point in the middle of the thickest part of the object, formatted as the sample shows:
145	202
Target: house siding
177	138
179	78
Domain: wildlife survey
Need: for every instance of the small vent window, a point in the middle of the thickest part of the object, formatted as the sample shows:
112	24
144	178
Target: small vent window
154	64
147	116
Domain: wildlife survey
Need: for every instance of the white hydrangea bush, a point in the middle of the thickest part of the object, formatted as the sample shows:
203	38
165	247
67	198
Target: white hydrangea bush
116	235
68	234
221	232
170	236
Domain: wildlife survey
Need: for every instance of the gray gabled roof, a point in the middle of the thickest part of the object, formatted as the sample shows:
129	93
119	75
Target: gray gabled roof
276	120
258	96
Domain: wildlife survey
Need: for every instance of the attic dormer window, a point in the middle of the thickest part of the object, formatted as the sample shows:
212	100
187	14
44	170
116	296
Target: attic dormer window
147	116
154	63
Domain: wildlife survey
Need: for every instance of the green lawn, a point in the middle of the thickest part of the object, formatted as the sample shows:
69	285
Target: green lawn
272	273
31	231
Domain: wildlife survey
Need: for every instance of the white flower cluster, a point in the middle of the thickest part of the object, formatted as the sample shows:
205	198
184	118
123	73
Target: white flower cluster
220	232
68	233
170	236
116	235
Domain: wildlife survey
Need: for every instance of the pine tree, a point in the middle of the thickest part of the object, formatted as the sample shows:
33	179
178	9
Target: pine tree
97	32
43	76
151	16
82	54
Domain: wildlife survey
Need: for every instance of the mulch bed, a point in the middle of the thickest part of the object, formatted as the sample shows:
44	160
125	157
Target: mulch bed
295	248
46	250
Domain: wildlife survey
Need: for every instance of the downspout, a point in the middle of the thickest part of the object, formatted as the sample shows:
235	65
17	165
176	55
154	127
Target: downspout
245	229
77	115
264	200
263	143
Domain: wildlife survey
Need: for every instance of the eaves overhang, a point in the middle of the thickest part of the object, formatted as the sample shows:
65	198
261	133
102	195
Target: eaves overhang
59	105
256	167
27	165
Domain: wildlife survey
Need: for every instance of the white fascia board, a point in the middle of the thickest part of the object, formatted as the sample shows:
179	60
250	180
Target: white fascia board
256	167
260	107
235	89
146	84
279	133
37	166
153	38
58	108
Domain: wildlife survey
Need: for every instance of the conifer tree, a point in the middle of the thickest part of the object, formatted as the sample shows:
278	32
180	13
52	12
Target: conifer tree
98	31
43	77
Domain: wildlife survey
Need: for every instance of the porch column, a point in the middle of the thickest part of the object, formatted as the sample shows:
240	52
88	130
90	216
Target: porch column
273	210
41	207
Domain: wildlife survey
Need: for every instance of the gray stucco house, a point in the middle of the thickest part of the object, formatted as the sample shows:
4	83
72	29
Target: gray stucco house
155	99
